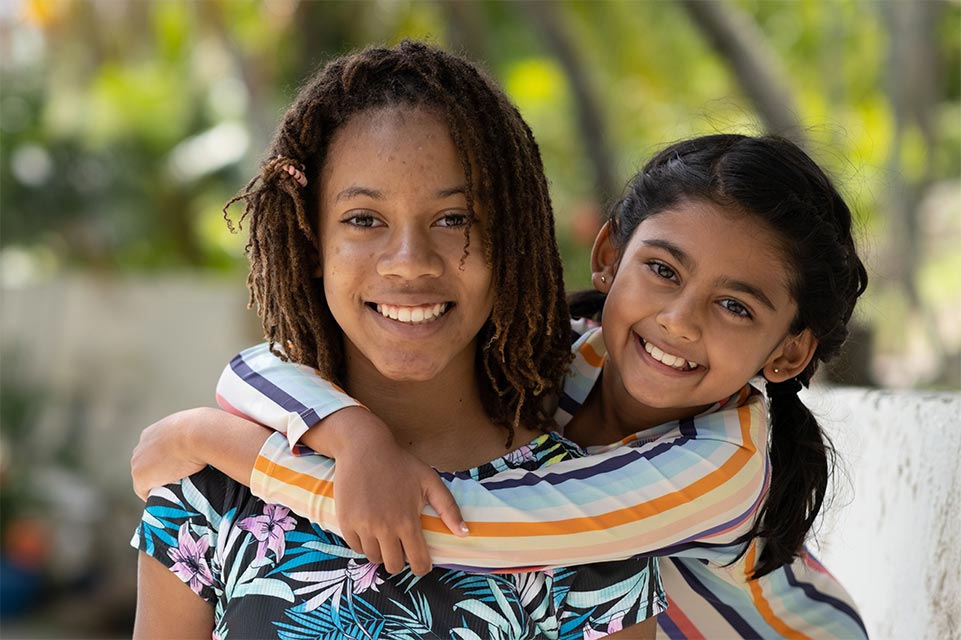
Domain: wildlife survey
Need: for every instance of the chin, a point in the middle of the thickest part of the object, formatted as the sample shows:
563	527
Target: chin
409	372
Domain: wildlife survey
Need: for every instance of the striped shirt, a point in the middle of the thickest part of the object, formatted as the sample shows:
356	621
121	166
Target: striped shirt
687	490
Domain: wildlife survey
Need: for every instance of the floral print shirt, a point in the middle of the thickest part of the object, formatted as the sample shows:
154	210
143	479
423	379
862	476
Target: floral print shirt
272	574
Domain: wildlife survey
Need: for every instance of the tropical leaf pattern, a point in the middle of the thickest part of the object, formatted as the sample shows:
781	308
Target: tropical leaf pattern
271	574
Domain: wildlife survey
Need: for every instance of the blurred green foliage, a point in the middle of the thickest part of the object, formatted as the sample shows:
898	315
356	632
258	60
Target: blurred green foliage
126	125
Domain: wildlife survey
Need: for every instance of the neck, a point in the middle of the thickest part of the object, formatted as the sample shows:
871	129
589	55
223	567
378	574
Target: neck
442	420
611	413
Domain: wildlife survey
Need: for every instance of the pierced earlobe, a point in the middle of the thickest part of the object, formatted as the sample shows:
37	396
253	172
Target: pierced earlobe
603	260
792	357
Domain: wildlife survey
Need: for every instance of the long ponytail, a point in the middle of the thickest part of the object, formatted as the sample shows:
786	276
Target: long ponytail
802	459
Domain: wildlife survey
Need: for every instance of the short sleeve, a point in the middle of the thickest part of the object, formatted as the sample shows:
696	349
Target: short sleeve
284	396
179	528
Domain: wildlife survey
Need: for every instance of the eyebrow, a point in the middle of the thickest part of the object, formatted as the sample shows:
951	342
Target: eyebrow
728	283
357	190
750	290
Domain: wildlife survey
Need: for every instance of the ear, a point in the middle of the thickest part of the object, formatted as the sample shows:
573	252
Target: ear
790	357
604	257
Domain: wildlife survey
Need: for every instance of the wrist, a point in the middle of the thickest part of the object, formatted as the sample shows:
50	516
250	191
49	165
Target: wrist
347	430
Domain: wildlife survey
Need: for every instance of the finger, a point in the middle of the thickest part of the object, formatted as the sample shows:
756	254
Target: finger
439	497
353	541
372	550
415	548
393	554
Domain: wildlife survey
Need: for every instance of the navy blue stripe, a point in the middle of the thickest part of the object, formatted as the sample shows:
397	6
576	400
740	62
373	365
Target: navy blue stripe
686	426
272	391
614	463
727	611
816	595
568	404
678	549
668	626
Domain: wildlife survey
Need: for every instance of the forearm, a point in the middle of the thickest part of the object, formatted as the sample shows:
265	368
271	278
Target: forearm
226	442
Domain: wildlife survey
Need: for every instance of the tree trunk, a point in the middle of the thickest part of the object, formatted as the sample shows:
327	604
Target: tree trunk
742	46
542	17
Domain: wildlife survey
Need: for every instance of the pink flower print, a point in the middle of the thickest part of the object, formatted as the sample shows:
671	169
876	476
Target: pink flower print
520	455
363	576
190	565
616	624
270	529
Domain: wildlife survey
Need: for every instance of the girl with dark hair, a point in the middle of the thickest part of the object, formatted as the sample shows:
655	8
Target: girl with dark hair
402	210
729	258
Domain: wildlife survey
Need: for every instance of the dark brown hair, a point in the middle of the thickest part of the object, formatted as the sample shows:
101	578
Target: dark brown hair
523	348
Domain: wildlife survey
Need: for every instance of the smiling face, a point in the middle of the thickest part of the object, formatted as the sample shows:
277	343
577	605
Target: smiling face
393	212
698	303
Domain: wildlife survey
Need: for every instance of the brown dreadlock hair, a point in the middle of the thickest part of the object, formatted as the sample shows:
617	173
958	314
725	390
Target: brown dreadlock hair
523	348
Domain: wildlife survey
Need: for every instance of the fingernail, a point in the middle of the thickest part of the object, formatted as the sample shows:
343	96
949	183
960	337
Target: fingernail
464	529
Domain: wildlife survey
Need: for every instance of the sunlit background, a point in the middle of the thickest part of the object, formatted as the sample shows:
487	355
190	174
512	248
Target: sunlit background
126	125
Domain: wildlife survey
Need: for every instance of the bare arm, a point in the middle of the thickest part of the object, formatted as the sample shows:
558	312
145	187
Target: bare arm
183	443
166	606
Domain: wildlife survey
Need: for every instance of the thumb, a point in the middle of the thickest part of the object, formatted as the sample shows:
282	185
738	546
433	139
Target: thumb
439	497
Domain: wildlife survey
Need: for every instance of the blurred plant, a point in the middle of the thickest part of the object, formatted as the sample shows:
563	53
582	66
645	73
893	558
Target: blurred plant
126	125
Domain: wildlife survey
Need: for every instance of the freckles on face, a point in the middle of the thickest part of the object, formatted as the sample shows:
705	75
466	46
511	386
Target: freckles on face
393	221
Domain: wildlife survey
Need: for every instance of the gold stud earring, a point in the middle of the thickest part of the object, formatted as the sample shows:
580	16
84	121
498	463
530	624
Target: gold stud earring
777	371
603	279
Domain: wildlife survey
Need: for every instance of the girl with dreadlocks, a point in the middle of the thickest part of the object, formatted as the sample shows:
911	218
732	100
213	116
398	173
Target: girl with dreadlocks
403	211
729	257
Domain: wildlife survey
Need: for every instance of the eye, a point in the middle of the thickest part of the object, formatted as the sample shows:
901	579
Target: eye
453	219
661	270
362	220
735	307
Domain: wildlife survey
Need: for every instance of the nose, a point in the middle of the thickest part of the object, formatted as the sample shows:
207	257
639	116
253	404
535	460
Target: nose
680	318
410	254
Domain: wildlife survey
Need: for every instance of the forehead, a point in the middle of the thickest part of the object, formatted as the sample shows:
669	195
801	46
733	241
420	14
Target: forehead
730	244
393	146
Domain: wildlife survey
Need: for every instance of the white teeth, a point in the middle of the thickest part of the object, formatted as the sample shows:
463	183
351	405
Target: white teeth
669	359
412	315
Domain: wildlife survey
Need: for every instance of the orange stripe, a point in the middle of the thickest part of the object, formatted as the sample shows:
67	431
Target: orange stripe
760	602
656	506
294	478
591	356
731	467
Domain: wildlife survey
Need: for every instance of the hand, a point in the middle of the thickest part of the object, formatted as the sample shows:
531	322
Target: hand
162	455
380	490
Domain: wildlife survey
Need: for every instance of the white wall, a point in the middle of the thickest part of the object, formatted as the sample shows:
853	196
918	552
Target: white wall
893	536
118	354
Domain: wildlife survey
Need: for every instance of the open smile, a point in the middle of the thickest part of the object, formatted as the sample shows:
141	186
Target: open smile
676	362
412	314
